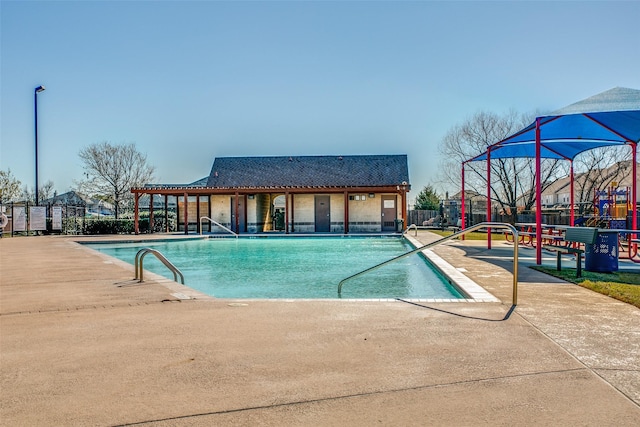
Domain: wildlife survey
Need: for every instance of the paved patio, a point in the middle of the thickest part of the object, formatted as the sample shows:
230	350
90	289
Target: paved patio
82	344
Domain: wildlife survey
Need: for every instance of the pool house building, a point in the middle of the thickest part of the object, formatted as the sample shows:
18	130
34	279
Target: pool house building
289	194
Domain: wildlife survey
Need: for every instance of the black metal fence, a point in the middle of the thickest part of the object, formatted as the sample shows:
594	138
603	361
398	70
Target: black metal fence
76	220
422	217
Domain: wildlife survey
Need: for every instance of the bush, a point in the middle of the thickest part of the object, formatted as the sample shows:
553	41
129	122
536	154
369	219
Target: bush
111	226
158	221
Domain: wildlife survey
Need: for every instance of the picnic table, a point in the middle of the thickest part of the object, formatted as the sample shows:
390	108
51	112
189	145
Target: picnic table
551	234
628	242
577	235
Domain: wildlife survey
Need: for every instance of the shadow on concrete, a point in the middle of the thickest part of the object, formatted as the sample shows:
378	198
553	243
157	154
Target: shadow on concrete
506	316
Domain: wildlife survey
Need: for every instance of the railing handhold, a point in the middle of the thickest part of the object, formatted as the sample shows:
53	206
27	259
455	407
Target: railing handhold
509	227
415	228
216	223
139	270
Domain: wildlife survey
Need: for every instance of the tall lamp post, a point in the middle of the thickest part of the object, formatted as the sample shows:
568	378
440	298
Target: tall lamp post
35	103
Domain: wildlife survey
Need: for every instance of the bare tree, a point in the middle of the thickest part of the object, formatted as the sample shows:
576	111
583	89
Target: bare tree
512	180
44	192
111	170
9	187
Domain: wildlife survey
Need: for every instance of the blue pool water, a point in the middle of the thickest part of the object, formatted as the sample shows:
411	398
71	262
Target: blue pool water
293	267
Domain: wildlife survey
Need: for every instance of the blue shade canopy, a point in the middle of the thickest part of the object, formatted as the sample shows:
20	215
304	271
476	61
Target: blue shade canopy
569	131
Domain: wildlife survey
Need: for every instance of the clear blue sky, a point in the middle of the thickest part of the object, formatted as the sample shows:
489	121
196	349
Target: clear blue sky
189	81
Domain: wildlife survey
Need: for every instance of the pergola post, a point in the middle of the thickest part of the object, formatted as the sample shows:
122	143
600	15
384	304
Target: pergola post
403	197
136	225
198	230
166	213
186	213
237	211
286	212
346	212
151	213
293	213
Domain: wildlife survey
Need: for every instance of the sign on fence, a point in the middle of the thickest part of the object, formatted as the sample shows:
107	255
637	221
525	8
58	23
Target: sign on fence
37	218
56	218
19	218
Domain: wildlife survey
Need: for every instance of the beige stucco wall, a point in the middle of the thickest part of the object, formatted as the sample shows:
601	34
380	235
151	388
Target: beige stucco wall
304	213
221	209
337	213
364	212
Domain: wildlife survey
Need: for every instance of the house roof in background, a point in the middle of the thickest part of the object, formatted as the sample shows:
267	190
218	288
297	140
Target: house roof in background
309	171
70	197
76	198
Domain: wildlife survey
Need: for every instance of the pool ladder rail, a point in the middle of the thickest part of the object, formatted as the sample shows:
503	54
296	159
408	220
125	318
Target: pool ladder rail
415	228
488	225
140	270
218	224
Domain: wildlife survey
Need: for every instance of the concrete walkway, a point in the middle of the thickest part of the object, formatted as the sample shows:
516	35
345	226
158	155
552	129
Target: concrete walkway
82	344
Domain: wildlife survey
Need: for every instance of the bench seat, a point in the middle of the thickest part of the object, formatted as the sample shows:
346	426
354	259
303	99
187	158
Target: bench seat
586	235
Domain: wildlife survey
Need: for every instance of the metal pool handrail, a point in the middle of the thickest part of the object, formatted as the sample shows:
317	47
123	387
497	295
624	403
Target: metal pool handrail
514	299
140	270
415	227
218	224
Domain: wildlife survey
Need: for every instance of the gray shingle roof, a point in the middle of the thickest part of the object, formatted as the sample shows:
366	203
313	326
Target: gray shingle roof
202	182
309	171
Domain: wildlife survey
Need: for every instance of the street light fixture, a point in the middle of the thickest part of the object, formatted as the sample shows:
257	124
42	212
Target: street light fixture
35	103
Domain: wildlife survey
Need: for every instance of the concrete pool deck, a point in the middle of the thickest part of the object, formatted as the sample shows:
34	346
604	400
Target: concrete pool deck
82	344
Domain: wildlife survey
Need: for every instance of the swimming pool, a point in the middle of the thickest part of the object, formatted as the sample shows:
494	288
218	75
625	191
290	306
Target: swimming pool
293	267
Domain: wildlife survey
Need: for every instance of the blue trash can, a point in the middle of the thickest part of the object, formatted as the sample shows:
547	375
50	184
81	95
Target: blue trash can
602	256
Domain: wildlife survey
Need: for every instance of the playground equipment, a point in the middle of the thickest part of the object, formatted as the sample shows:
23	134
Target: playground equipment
613	210
611	207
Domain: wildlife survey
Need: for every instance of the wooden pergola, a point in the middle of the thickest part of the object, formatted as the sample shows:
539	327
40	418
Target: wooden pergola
289	192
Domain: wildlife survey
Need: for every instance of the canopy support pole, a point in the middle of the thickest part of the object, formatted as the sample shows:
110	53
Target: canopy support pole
634	174
571	197
538	196
463	223
489	196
